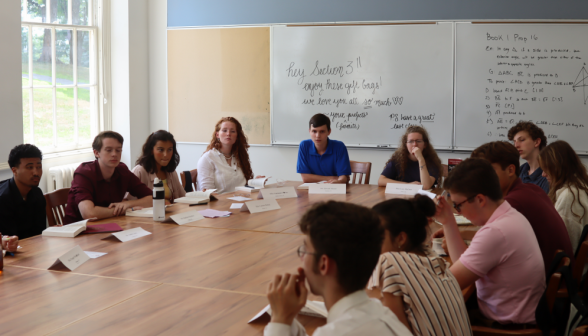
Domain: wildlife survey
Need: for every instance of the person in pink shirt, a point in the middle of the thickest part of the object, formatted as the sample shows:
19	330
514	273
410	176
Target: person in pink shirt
504	259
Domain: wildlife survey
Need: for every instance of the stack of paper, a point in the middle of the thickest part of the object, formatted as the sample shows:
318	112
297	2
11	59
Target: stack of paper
144	212
239	198
70	230
197	197
210	213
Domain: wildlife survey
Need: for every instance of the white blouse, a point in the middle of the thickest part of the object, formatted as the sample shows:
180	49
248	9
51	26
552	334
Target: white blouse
568	199
215	173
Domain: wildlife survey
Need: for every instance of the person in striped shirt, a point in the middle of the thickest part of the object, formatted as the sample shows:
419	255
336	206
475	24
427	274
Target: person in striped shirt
415	282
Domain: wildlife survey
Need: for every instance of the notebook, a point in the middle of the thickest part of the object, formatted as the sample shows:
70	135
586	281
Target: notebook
103	228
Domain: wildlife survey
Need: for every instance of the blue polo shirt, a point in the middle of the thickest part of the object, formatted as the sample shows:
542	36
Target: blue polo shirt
334	162
535	178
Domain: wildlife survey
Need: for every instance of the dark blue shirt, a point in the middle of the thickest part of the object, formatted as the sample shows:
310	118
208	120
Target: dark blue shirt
19	217
411	173
333	162
535	178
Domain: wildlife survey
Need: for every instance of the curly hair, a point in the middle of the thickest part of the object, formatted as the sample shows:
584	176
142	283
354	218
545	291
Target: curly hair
534	131
401	154
24	151
572	173
348	233
147	160
240	146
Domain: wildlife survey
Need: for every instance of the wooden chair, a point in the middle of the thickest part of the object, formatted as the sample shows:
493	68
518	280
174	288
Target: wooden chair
552	291
55	208
194	173
578	270
361	169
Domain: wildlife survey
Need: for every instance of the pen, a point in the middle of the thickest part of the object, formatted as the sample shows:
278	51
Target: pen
442	195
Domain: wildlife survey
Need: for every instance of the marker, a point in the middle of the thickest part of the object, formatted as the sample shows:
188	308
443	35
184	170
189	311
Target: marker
383	146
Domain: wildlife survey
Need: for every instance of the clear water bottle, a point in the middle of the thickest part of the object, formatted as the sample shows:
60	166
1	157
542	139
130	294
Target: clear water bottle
158	201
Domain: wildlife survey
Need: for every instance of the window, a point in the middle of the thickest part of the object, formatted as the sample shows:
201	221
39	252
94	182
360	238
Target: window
59	74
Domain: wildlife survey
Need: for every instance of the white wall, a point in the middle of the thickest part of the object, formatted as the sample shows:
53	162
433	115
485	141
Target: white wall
11	127
157	65
130	74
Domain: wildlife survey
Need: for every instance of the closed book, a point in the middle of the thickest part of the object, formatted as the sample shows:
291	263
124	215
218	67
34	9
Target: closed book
103	228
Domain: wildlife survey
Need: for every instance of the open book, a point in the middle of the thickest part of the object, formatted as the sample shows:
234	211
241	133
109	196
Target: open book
312	308
258	183
70	230
197	197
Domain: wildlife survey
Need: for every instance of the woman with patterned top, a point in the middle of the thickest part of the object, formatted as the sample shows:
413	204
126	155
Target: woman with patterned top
416	284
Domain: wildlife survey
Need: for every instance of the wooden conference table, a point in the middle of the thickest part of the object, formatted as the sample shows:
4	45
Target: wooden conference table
207	277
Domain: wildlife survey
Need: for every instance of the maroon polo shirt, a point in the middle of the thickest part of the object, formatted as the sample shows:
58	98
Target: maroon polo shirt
88	184
533	203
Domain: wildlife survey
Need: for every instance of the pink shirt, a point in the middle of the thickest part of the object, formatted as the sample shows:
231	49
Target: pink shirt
505	254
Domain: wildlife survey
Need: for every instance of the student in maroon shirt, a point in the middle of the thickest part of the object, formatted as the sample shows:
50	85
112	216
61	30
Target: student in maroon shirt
99	186
528	199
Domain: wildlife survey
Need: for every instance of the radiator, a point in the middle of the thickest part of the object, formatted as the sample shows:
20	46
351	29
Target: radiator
61	176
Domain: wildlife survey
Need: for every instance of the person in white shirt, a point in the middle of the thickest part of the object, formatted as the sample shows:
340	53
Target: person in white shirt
225	163
341	247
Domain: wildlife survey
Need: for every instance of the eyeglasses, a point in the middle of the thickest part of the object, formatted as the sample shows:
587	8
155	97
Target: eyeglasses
412	142
302	251
457	206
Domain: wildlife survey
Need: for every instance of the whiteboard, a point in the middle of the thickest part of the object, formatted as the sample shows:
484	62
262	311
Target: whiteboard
506	73
372	81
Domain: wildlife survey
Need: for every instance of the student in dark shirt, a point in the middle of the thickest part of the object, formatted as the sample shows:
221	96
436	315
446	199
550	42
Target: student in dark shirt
415	161
529	140
98	187
22	204
528	199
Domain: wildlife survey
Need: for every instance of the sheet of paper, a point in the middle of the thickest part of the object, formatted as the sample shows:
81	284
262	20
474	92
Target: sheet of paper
236	205
211	213
239	198
187	217
261	206
312	308
427	193
278	193
306	185
127	235
94	255
402	188
72	259
327	188
461	220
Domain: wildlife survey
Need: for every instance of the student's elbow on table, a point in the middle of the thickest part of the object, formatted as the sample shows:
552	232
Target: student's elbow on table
382	181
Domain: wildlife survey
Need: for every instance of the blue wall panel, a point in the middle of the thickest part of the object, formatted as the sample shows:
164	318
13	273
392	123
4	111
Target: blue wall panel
185	13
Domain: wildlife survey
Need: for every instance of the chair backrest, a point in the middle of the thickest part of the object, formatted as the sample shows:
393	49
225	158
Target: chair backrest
55	208
579	265
193	174
554	284
361	170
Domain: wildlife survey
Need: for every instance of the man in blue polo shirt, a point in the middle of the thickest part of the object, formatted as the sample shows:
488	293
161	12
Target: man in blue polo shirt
320	158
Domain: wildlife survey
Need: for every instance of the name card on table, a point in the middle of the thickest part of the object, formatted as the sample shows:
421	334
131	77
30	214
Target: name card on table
126	235
402	188
327	188
187	217
261	206
278	193
72	259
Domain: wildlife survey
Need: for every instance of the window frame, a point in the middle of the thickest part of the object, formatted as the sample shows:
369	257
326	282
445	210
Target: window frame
96	79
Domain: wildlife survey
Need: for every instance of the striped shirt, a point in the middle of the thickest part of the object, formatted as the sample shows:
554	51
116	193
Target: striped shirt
433	301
